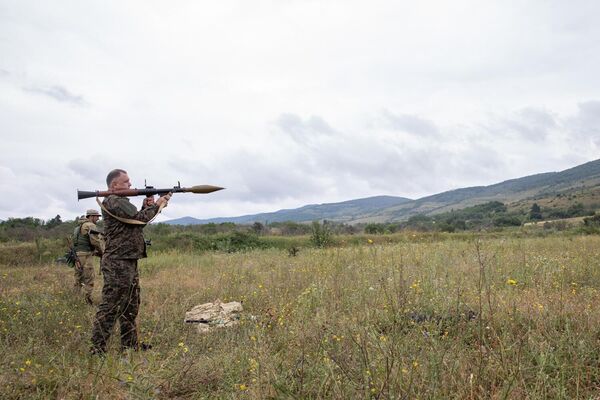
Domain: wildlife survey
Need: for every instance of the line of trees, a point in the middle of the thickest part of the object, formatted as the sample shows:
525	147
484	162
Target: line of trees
493	214
30	228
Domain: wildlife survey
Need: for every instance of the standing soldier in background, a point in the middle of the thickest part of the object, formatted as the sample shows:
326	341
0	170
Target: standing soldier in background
88	243
123	225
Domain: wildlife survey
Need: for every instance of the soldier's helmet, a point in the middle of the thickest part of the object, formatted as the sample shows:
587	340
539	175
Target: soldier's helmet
91	212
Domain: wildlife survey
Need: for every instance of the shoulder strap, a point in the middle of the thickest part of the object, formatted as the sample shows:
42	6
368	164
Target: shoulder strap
128	220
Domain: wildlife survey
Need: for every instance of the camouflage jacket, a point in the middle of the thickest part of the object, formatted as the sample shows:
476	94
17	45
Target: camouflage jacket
125	241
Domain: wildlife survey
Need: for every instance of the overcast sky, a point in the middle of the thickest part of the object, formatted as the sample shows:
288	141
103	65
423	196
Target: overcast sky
290	102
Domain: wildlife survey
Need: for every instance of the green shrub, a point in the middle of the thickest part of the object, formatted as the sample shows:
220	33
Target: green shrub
321	234
506	220
375	229
188	241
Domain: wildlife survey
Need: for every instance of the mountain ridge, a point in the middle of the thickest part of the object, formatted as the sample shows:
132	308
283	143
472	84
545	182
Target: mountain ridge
394	209
310	212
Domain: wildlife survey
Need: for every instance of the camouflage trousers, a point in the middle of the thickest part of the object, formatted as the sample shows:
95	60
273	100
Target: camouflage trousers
120	301
84	275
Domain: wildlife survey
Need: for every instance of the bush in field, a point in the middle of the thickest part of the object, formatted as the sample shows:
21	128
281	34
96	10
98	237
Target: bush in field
556	225
258	228
506	220
576	210
290	228
160	229
419	222
592	221
237	241
375	229
458	224
53	222
445	226
535	213
321	234
591	224
227	242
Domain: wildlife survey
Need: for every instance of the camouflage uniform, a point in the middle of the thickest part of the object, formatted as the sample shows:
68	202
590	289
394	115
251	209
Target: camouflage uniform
121	292
88	243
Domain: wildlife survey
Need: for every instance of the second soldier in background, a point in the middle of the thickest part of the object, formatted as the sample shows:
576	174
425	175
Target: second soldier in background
88	242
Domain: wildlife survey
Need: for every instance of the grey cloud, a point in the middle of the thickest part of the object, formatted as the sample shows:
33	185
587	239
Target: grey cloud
538	117
189	168
54	188
301	130
254	177
532	124
585	124
266	182
90	169
410	123
4	72
58	93
8	179
366	164
318	124
372	163
405	168
479	163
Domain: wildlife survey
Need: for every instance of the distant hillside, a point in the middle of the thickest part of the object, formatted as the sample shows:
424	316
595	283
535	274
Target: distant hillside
343	211
542	187
539	185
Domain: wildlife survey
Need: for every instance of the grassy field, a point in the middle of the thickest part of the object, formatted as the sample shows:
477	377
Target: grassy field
470	318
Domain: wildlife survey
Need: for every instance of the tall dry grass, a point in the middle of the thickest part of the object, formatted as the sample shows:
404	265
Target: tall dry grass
478	318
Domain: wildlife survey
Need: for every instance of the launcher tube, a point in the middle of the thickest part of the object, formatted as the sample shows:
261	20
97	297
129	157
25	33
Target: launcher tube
147	192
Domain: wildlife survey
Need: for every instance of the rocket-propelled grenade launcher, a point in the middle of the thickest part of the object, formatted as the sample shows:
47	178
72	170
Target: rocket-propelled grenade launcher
148	191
